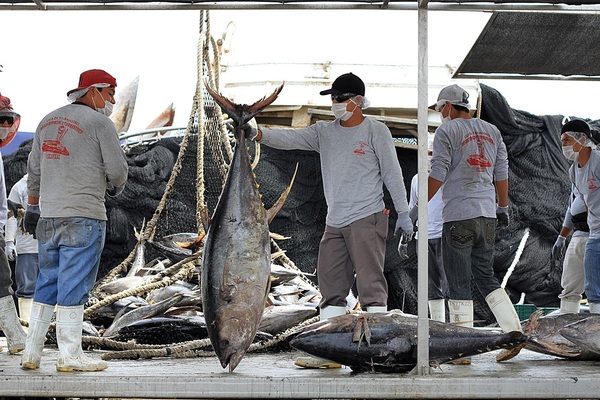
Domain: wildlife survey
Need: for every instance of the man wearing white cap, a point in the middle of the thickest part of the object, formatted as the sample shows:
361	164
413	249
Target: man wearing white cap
469	159
578	146
357	158
75	160
9	321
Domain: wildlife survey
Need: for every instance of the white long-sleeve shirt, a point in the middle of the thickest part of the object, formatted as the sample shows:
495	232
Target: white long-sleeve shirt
24	242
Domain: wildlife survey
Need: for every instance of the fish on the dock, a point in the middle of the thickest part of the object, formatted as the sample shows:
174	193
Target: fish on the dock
140	313
178	246
584	333
277	319
236	259
191	295
121	284
387	342
545	336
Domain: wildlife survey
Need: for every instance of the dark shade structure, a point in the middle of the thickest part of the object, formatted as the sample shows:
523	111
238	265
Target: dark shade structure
535	45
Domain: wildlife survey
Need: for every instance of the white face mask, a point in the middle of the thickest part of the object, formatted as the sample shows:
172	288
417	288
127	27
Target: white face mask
447	118
108	106
570	153
340	112
4	130
107	110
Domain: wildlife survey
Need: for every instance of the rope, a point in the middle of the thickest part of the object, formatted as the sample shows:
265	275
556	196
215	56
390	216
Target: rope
184	267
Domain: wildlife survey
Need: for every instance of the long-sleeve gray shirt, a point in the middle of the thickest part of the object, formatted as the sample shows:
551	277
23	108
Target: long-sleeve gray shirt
75	152
355	163
587	181
468	156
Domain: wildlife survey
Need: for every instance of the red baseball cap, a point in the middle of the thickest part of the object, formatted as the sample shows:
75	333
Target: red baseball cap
94	77
6	110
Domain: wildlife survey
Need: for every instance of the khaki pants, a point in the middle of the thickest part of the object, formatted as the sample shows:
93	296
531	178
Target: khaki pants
358	248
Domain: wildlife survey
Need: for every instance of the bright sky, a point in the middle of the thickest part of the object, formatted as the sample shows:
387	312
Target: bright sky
48	50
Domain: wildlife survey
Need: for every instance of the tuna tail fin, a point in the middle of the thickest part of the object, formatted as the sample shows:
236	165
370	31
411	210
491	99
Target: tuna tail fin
242	113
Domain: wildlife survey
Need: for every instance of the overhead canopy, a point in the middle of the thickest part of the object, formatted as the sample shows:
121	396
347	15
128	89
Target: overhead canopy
535	45
45	5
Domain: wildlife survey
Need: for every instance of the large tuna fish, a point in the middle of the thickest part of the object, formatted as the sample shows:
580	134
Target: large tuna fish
236	259
387	342
547	336
585	333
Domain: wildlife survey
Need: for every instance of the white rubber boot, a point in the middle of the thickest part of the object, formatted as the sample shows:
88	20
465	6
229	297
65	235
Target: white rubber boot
39	321
507	318
437	310
461	313
594	308
331	311
10	325
69	325
568	306
377	309
318	362
25	308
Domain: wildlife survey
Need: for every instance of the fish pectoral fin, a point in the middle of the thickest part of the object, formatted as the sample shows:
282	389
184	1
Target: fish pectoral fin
204	218
272	212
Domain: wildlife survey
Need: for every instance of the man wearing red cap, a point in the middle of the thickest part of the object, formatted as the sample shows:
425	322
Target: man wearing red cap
75	160
357	158
9	321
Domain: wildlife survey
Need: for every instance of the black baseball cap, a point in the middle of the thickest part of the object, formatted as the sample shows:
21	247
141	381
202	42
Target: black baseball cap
347	83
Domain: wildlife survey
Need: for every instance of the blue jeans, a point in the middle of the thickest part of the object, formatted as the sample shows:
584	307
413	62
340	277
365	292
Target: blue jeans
69	256
591	266
468	252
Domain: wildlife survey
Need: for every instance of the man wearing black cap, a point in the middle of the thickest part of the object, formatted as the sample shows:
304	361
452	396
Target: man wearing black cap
578	146
357	158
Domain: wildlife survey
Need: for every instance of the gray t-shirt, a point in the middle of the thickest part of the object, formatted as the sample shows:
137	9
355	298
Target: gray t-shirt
75	152
587	182
355	163
468	156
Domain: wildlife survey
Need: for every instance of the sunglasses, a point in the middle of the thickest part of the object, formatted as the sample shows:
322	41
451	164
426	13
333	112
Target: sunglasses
4	120
440	105
340	98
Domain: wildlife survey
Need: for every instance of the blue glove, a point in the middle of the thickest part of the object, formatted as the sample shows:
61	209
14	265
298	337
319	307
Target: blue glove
559	247
11	251
502	216
404	225
32	215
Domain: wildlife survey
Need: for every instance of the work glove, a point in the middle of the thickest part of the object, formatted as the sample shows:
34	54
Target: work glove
559	247
32	215
502	216
405	225
13	208
249	131
414	214
403	246
11	251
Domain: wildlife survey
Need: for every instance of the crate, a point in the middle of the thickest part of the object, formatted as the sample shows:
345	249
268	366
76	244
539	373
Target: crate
525	310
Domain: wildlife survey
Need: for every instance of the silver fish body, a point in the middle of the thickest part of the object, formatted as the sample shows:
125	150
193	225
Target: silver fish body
236	259
387	342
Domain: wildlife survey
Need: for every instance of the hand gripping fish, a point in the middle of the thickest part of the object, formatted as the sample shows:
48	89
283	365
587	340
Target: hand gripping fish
236	260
